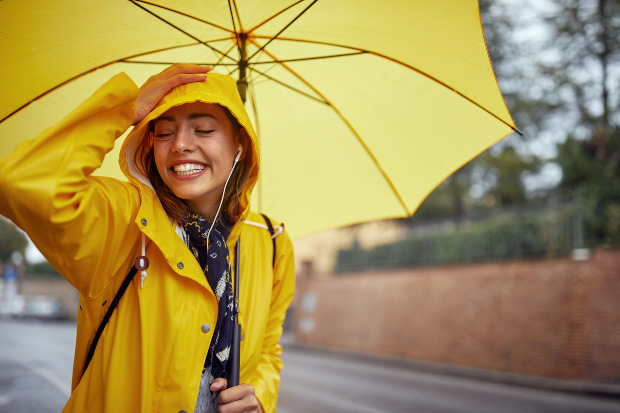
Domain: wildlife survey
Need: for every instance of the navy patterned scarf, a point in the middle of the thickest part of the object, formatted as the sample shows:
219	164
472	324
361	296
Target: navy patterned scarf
216	267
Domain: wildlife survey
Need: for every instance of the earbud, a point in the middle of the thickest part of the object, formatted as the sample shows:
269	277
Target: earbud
239	152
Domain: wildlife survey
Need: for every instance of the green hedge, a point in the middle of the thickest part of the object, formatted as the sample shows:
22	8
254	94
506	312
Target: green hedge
506	237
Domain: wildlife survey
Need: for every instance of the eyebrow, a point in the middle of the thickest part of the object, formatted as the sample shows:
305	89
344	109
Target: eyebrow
191	116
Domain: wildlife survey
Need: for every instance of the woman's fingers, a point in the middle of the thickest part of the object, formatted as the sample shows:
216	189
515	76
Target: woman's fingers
218	384
172	72
239	399
157	86
184	68
241	406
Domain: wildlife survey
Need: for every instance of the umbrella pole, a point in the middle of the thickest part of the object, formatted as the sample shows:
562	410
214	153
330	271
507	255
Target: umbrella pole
235	348
235	345
242	83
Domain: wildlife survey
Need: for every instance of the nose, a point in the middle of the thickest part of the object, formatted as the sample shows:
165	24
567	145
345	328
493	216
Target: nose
183	142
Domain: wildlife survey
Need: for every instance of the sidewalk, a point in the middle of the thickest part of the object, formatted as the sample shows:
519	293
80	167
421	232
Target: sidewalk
606	389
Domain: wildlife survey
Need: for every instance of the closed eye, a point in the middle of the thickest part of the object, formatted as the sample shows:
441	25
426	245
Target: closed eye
205	132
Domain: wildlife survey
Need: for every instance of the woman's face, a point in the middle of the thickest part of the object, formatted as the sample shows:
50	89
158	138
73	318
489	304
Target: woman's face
195	147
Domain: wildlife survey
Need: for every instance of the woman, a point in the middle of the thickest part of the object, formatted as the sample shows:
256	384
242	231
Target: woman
191	161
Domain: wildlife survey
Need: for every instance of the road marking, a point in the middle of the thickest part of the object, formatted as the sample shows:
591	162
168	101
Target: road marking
6	399
331	400
63	387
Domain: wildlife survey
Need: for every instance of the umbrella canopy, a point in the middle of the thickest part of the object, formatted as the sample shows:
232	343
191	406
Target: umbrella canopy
361	107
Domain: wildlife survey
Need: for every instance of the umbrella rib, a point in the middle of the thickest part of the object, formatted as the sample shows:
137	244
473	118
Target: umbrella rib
161	62
303	59
274	16
273	79
300	59
183	14
122	60
237	14
56	87
218	63
434	79
152	62
355	133
163	49
272	38
125	59
293	88
408	66
232	20
179	29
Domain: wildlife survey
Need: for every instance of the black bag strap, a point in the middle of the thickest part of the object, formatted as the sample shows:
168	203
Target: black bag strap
273	239
108	314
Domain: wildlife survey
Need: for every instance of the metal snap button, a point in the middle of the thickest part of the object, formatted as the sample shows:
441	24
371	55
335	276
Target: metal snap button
180	265
205	328
143	221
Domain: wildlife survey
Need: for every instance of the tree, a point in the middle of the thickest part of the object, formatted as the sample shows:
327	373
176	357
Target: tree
592	175
448	200
11	240
43	269
508	168
587	37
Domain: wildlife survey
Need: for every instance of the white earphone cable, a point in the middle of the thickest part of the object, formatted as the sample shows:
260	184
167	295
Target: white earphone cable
221	202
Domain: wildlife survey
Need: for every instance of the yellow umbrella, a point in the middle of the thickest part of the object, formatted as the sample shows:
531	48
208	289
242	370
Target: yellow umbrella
362	107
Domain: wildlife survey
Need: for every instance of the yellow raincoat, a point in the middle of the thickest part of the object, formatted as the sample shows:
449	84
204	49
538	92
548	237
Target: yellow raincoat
151	354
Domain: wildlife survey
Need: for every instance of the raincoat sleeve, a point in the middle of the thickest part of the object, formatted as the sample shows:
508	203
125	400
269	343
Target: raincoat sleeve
266	379
48	191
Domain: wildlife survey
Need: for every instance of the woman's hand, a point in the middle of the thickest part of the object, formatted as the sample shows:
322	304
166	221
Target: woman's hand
238	399
160	84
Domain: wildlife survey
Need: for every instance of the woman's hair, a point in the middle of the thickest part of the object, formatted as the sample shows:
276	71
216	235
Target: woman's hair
174	206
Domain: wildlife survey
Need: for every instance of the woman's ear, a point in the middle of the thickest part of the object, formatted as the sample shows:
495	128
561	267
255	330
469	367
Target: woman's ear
243	140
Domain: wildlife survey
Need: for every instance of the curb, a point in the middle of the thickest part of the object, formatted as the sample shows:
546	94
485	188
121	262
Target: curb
593	388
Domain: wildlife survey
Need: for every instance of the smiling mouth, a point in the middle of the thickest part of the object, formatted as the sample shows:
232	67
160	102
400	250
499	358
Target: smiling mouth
187	168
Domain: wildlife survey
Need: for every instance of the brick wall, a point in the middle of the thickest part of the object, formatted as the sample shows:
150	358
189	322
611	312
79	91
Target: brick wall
552	318
602	317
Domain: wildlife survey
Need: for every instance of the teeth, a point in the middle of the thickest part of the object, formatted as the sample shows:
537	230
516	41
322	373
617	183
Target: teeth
188	168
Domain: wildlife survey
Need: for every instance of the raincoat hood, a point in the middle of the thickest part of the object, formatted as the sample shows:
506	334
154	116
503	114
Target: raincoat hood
217	88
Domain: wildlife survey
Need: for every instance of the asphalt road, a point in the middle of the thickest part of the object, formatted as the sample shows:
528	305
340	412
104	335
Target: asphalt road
314	381
35	366
36	359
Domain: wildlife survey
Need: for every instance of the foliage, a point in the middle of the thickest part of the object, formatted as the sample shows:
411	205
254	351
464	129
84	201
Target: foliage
588	35
43	269
491	181
11	240
508	168
586	38
592	171
507	236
